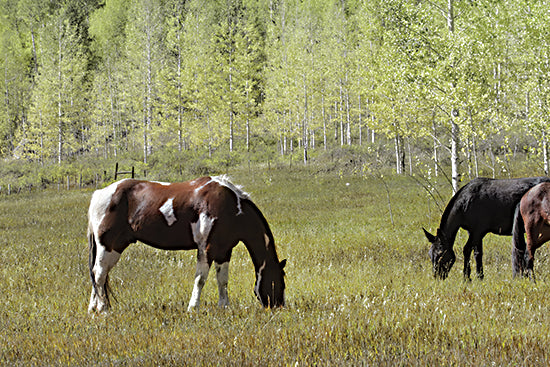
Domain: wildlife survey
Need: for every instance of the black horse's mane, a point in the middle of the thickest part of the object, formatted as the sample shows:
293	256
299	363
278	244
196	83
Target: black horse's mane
451	205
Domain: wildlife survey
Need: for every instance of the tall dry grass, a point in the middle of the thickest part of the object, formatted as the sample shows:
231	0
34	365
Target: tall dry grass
359	289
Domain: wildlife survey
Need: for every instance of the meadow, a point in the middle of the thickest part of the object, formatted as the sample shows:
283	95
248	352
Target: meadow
360	289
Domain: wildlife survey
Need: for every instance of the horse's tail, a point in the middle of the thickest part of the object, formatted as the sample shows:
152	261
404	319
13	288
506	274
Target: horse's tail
92	251
518	243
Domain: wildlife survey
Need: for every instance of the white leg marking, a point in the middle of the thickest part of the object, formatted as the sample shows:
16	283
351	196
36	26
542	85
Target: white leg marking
201	229
93	301
259	279
222	275
200	278
104	262
167	209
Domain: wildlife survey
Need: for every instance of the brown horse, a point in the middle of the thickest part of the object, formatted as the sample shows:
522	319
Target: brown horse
534	208
209	214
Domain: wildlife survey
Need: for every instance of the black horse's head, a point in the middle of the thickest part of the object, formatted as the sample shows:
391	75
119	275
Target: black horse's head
270	284
441	253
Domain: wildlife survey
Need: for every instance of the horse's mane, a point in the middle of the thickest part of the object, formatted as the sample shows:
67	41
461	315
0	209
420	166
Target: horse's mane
447	211
452	203
224	180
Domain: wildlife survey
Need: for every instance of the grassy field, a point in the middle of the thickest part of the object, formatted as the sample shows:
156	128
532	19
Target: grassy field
359	289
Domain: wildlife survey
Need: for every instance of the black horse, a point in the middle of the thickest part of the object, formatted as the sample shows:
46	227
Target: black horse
481	206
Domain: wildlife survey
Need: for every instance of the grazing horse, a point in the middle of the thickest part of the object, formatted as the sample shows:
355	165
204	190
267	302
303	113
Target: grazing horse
209	214
481	206
534	208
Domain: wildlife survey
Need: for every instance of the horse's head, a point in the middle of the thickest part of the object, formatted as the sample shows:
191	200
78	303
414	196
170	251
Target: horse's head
270	284
441	253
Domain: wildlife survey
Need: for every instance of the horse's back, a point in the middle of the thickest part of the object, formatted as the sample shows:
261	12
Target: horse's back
499	192
163	214
488	205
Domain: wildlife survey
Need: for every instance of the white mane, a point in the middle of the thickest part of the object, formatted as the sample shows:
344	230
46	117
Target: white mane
224	180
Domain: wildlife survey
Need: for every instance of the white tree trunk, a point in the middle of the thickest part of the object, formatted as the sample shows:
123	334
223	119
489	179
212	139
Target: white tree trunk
545	151
454	156
59	96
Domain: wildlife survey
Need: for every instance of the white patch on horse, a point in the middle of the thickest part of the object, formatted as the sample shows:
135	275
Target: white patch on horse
99	204
266	240
259	279
167	209
201	229
162	183
238	190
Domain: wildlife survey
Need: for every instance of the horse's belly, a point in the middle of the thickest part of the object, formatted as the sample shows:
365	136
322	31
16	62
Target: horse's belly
167	238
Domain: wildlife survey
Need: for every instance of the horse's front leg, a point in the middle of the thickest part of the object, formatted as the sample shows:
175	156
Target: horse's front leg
201	274
475	242
467	251
222	275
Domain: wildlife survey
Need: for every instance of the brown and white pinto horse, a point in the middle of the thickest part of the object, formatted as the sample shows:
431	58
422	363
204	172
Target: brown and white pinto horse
534	208
209	214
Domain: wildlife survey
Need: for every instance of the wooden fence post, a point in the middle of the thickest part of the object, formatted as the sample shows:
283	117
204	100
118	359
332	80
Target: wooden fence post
117	172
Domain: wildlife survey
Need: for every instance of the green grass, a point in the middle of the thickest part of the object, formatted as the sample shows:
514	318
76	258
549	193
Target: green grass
359	289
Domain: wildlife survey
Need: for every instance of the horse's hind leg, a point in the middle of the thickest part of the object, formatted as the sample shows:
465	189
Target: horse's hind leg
536	236
104	262
529	262
222	275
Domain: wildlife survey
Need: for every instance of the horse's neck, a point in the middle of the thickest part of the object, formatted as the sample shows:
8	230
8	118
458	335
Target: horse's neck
258	238
450	225
261	249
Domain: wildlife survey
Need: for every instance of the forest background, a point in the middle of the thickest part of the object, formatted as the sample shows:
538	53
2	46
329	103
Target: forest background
420	87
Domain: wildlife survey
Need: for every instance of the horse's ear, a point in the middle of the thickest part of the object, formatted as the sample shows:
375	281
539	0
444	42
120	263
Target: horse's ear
282	264
428	235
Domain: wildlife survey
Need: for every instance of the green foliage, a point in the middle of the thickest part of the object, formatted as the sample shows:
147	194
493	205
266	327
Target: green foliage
117	78
56	123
